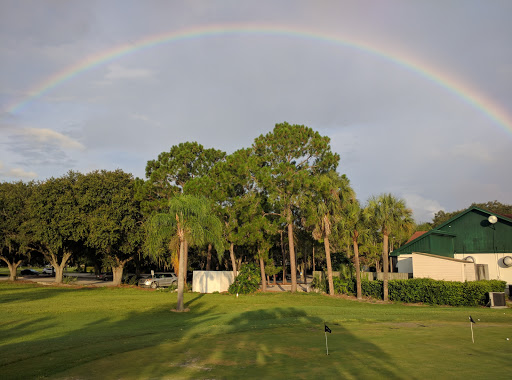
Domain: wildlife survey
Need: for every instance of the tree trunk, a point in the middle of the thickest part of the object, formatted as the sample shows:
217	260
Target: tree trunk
275	280
329	266
358	270
233	260
209	257
181	276
13	268
117	271
262	271
293	267
385	265
284	259
59	268
185	263
314	259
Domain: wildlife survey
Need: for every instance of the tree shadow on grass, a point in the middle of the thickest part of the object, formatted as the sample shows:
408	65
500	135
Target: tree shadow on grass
34	292
268	343
216	339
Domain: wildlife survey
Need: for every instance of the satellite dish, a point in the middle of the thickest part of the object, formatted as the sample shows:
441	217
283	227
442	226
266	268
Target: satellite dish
507	261
492	219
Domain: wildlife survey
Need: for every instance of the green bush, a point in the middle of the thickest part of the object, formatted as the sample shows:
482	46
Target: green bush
69	279
435	292
372	289
247	281
319	284
340	285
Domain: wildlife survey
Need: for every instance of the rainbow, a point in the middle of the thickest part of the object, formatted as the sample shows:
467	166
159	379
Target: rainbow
448	82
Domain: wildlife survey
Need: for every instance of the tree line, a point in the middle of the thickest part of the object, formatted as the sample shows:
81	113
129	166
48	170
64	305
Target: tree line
280	202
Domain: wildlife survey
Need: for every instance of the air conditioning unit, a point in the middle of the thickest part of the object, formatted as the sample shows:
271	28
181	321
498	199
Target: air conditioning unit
497	300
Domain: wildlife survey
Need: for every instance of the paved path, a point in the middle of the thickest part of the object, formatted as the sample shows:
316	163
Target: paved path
85	279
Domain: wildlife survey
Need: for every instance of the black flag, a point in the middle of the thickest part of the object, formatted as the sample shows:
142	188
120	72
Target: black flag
471	319
327	329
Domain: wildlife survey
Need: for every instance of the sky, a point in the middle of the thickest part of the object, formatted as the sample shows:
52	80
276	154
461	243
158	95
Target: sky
416	96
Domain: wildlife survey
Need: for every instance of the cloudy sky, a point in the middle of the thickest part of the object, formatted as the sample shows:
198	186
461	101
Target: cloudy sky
416	96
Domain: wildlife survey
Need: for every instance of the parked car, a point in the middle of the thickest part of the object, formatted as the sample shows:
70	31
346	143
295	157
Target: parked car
49	271
159	280
109	276
133	279
29	272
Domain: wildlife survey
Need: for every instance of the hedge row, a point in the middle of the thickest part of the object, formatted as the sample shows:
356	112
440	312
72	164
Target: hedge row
432	292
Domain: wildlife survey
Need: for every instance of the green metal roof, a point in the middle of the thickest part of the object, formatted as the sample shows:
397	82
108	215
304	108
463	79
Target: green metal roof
467	232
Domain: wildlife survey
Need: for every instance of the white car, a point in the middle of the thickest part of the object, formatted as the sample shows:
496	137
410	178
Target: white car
48	270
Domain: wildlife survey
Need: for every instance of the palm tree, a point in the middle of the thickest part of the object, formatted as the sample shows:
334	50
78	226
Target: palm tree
332	195
389	214
354	225
191	221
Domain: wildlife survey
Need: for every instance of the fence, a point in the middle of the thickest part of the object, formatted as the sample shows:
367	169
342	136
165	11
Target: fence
369	275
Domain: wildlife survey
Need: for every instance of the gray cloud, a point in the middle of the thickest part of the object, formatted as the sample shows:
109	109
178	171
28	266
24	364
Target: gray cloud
396	131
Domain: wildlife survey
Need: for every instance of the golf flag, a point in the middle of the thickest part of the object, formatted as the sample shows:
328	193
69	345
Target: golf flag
471	321
326	330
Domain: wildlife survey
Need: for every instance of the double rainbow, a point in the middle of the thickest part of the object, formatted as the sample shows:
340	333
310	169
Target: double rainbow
463	91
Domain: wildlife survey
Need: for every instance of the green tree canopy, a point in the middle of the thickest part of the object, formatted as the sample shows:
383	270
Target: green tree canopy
289	158
56	225
13	214
113	217
167	175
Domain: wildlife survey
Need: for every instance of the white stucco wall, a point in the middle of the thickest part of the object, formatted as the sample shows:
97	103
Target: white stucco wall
494	261
441	268
211	281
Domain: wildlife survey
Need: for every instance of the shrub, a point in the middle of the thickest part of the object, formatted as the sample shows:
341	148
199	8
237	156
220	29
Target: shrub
435	292
247	281
320	284
69	279
372	289
340	285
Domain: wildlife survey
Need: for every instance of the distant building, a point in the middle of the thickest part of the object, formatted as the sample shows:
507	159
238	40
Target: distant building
475	244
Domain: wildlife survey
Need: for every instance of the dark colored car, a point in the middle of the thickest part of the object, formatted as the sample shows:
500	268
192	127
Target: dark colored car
109	276
29	272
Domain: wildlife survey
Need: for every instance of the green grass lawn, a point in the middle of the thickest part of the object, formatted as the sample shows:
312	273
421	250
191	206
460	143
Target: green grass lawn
129	333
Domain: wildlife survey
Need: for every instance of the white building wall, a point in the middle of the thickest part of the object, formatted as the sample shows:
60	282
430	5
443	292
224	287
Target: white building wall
494	261
442	268
211	281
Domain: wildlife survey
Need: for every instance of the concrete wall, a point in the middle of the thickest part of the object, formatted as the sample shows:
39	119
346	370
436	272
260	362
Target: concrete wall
404	264
441	268
211	281
494	261
370	276
391	276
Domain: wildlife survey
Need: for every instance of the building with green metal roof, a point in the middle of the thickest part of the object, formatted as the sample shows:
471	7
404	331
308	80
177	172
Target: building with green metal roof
474	235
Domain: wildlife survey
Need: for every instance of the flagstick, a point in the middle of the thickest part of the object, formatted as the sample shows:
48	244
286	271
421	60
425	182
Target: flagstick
326	347
472	338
